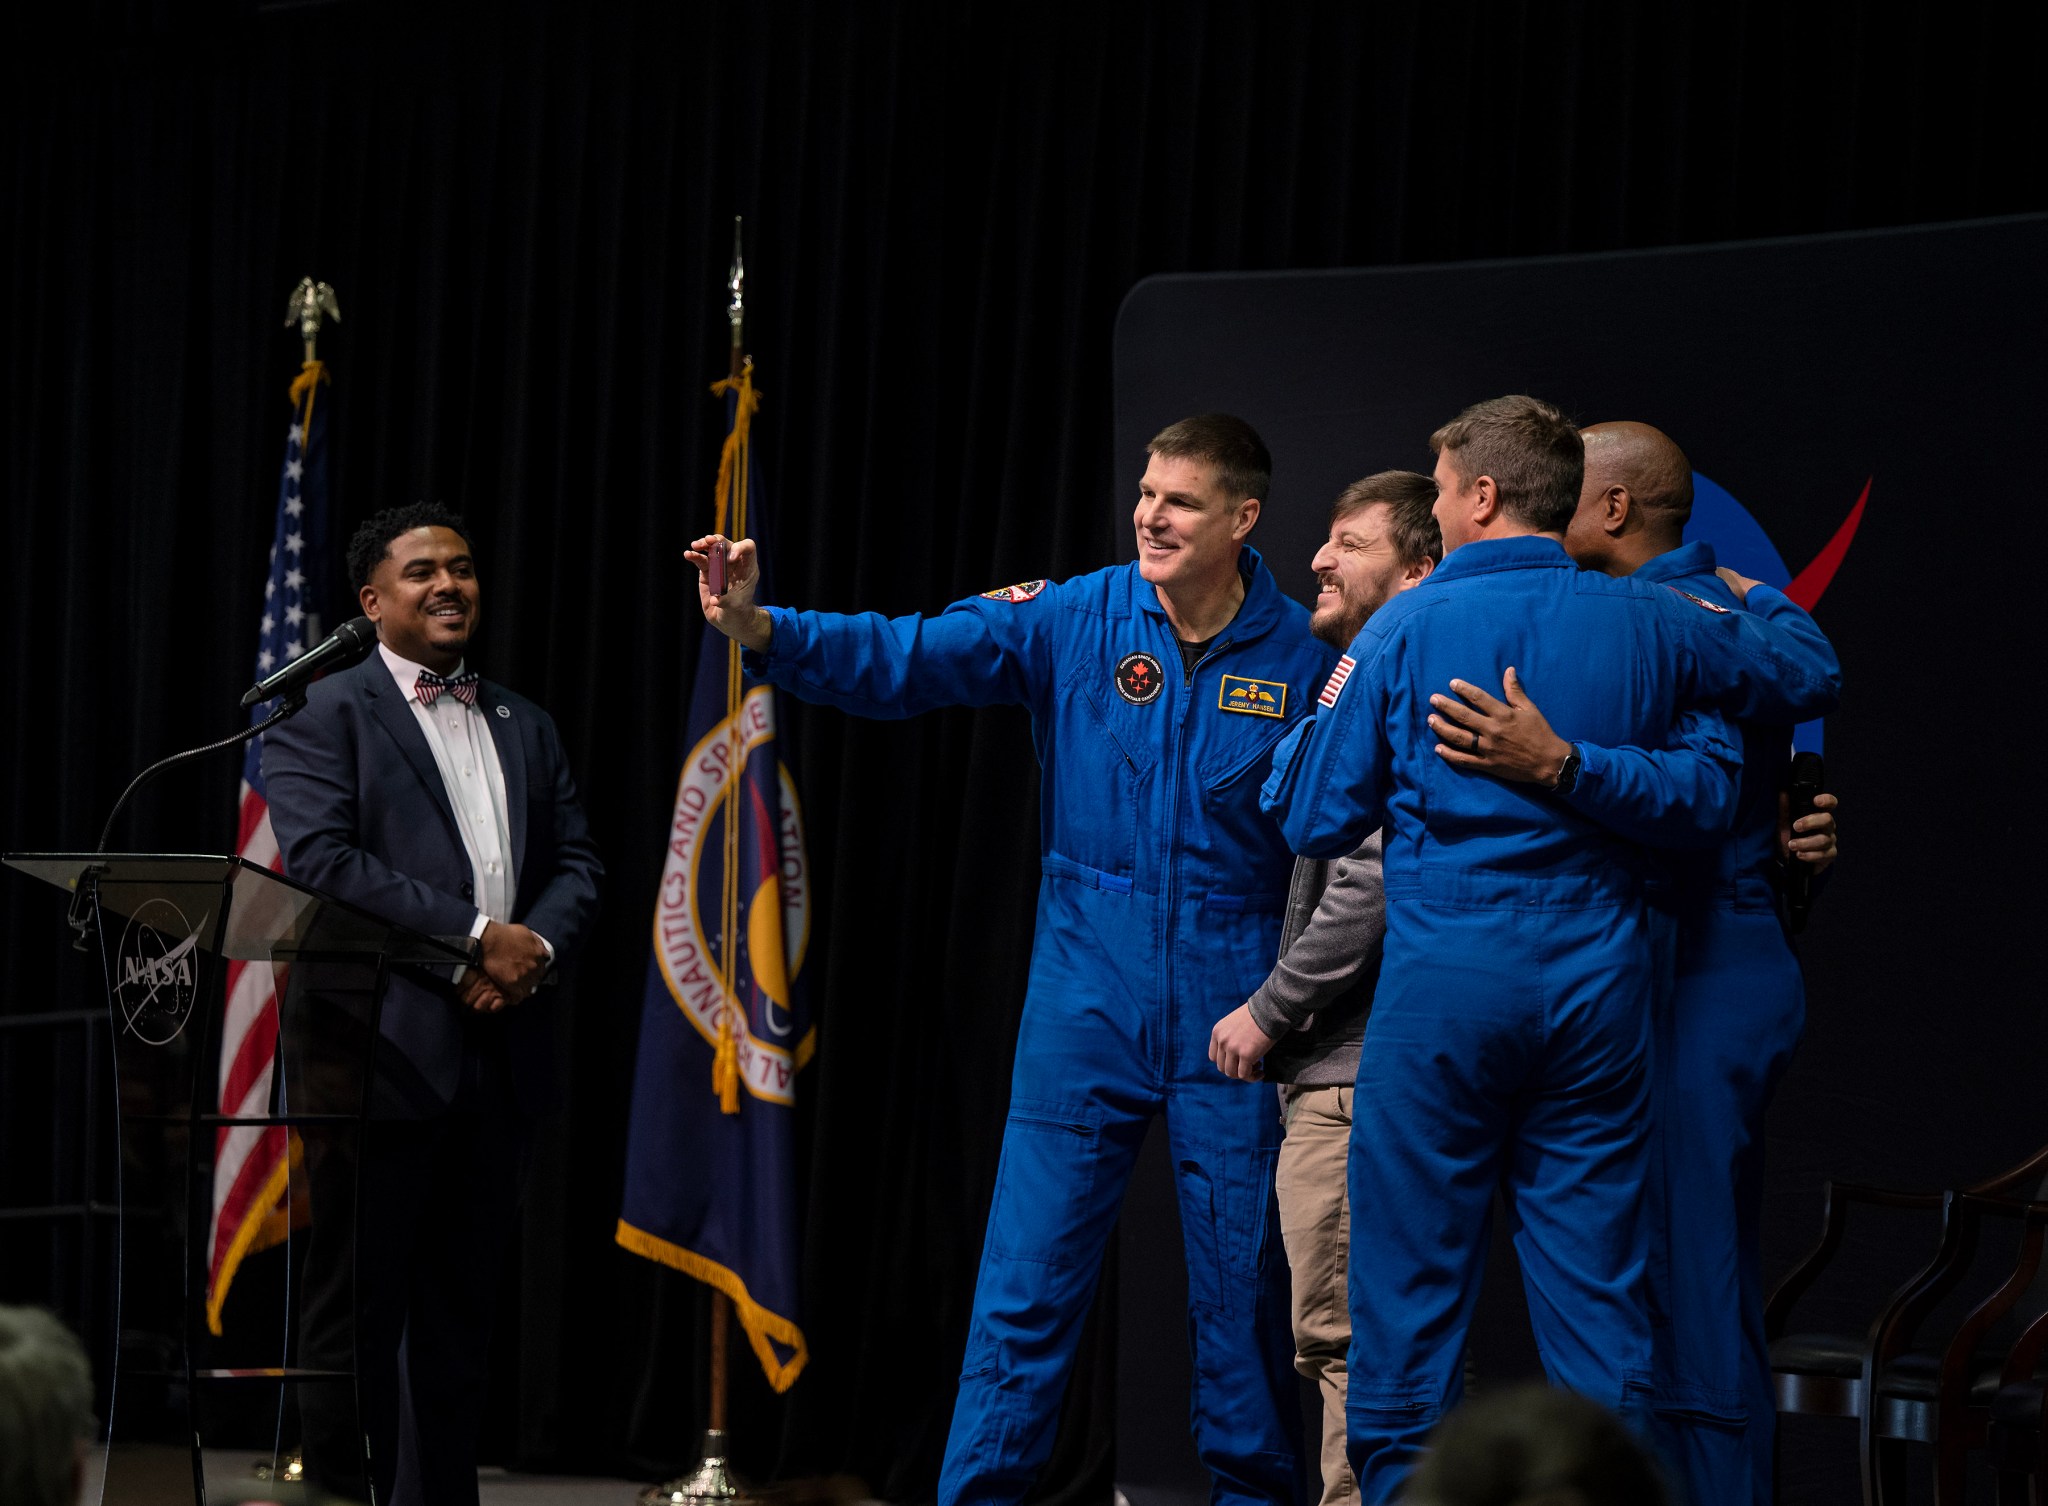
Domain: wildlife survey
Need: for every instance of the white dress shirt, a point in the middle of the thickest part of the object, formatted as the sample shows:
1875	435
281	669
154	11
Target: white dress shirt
467	756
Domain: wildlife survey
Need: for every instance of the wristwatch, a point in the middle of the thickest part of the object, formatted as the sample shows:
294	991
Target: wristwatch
1568	772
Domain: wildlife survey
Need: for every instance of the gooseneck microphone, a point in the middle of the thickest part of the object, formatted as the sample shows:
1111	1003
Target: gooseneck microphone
348	644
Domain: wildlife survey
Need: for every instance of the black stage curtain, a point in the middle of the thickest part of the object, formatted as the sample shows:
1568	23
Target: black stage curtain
527	214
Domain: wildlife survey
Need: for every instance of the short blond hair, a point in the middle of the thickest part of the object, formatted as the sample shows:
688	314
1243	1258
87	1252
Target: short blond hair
45	1408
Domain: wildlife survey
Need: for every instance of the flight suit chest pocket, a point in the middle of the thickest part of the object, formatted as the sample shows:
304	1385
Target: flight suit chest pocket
1240	756
1240	842
1105	764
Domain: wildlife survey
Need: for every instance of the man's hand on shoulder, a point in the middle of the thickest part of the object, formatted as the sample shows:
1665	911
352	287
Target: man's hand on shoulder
1736	582
1238	1047
514	959
732	613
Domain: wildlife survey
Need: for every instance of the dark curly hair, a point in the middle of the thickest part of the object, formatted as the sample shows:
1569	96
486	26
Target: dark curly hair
372	541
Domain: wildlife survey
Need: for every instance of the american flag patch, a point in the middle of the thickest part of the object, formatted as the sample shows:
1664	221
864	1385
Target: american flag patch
1337	678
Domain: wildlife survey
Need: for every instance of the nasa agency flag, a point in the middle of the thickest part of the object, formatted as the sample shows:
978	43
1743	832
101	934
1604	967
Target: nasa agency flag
724	1029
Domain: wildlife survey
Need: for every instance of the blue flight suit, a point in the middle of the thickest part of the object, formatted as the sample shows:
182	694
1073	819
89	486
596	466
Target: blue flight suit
1508	1042
1158	912
1724	1030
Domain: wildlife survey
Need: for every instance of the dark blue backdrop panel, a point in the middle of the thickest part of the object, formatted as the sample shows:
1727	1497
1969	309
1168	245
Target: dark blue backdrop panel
1792	372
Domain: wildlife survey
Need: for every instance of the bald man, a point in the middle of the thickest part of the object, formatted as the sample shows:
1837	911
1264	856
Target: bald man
1731	1003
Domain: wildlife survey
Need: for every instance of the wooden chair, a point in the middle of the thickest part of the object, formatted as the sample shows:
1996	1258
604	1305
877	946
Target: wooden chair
1825	1373
1829	1373
2019	1421
1942	1393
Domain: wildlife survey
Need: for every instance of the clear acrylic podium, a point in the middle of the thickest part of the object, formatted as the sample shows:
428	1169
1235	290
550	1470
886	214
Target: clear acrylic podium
169	930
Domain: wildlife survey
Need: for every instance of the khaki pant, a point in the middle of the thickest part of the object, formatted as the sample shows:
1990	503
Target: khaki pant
1315	1223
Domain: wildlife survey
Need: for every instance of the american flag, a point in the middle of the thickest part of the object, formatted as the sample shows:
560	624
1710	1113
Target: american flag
1338	676
251	1166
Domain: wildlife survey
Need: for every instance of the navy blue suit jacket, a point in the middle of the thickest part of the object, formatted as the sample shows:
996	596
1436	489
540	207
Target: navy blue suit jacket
360	812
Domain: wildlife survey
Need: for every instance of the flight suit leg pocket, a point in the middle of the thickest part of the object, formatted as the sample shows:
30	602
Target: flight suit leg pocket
1226	1198
1047	1183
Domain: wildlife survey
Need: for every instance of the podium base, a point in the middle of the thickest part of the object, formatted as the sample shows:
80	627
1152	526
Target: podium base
710	1484
290	1470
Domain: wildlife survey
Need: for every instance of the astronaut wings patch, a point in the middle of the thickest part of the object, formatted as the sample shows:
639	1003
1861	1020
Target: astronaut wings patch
1024	590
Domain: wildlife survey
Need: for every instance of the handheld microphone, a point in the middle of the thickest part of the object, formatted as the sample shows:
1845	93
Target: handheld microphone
1802	782
348	644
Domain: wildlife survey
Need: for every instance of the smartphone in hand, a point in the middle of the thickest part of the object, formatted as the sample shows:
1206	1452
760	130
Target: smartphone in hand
715	569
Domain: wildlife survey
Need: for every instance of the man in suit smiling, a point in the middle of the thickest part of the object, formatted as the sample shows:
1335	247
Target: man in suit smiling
439	800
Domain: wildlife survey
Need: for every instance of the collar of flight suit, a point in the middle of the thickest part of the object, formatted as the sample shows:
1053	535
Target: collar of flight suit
1256	615
1526	551
1696	558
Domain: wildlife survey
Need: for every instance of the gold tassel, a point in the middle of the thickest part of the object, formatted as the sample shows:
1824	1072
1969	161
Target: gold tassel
304	386
725	1067
732	520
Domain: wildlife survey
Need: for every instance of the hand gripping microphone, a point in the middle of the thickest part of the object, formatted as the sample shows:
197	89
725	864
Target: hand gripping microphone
1802	783
348	644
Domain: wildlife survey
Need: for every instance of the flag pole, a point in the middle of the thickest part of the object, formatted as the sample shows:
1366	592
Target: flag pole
309	303
712	1483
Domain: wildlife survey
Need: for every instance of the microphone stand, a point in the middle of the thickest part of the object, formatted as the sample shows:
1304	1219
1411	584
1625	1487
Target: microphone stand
80	918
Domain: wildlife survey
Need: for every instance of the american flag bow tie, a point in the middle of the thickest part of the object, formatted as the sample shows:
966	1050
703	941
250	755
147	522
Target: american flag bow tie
430	685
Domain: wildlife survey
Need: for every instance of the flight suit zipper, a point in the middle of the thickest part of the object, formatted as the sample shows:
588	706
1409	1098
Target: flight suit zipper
1171	913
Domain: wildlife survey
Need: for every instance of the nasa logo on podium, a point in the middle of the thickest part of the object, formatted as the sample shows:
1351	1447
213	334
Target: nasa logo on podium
156	972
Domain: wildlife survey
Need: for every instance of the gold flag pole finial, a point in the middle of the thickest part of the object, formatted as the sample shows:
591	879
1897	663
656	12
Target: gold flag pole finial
736	311
310	302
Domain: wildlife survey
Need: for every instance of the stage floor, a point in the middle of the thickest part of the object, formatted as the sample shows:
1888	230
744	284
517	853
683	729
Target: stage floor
162	1476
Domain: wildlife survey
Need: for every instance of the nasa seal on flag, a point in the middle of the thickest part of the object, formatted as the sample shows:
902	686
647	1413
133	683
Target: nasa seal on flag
773	907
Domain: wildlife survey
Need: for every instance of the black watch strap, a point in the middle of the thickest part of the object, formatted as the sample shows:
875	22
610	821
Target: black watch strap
1568	773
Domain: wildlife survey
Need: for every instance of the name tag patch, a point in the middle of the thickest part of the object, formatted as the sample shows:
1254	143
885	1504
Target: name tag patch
1253	697
1338	676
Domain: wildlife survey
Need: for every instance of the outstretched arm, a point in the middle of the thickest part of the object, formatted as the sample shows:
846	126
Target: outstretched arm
978	652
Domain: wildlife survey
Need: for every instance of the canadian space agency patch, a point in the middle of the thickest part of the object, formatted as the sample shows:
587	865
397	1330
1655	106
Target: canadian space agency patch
1024	590
1139	679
